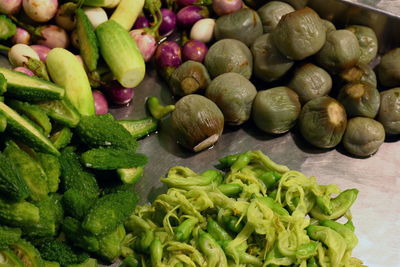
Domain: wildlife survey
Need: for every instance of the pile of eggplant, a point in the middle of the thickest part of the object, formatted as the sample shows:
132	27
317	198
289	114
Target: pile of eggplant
280	66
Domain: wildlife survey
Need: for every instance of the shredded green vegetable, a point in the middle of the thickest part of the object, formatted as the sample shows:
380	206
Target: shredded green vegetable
263	224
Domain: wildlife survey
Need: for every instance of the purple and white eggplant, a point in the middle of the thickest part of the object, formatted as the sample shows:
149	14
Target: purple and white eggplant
42	51
168	57
22	36
168	23
194	50
141	22
145	41
118	94
40	10
189	15
53	36
224	7
100	102
10	7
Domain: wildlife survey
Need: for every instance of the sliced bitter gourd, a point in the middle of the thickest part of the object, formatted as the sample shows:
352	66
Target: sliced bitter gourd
87	40
61	111
27	88
111	159
24	130
61	138
139	128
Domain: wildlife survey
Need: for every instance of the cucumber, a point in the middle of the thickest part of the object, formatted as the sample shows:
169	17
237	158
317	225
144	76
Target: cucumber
27	133
87	40
127	12
121	54
130	175
96	3
34	113
66	70
140	128
61	111
27	88
3	84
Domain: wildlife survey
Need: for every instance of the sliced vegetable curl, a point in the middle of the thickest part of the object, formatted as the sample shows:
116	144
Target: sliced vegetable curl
253	213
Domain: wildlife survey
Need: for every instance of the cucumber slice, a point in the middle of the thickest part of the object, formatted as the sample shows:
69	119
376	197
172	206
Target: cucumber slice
27	88
140	128
27	133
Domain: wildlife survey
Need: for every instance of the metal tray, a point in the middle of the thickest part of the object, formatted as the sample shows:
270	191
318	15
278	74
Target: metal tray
376	213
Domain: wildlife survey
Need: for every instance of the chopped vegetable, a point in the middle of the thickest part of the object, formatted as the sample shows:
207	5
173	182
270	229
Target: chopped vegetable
7	27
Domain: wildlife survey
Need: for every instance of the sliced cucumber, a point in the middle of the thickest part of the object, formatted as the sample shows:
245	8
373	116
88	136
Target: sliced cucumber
27	133
27	88
140	128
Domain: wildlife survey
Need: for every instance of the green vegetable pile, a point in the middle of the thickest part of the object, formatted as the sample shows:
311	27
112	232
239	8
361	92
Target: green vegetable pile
255	213
66	179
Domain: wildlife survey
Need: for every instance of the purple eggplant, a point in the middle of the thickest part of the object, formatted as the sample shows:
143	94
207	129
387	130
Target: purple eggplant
53	36
100	102
168	58
24	70
118	94
22	36
189	15
194	50
42	51
168	23
10	7
141	22
145	41
224	7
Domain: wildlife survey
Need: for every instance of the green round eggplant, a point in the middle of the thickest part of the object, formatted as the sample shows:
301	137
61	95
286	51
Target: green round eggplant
197	122
363	136
271	13
276	110
367	41
329	26
188	78
310	81
269	63
323	121
341	51
299	34
234	95
360	99
389	68
359	73
389	110
229	55
243	25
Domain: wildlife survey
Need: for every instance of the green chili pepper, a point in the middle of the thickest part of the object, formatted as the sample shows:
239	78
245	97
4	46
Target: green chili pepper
349	224
156	252
217	232
230	190
231	223
340	205
157	110
274	206
270	178
333	240
130	261
311	262
227	161
307	250
216	176
324	204
347	234
184	230
242	161
143	243
212	250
